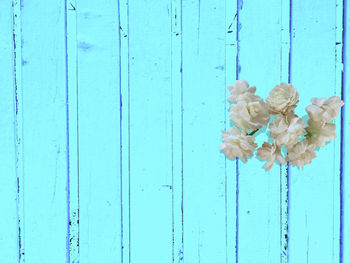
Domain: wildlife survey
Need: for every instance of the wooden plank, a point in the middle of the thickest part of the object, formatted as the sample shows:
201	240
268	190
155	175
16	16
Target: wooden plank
18	121
72	132
344	255
204	117
177	131
125	126
19	140
262	62
9	227
150	131
231	218
97	105
338	145
284	169
314	192
44	131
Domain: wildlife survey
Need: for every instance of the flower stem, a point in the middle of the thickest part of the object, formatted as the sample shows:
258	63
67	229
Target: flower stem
308	134
252	133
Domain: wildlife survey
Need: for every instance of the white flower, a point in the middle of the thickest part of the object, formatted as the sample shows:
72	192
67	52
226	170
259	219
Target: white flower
283	99
287	129
323	110
302	153
237	144
271	153
319	133
250	114
239	89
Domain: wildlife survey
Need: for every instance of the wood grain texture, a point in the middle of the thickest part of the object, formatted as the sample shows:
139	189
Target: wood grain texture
72	122
151	156
204	88
18	123
344	136
285	55
123	11
259	62
44	131
9	227
98	67
177	130
110	124
314	192
231	191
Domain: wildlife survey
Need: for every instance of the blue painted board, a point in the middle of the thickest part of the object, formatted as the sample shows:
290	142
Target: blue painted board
44	159
345	179
314	192
150	131
231	189
204	109
8	178
111	116
98	88
260	62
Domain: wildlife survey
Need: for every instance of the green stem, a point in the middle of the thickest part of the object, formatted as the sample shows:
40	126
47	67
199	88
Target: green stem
252	133
308	134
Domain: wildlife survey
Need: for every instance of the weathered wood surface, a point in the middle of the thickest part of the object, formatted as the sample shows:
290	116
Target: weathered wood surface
111	116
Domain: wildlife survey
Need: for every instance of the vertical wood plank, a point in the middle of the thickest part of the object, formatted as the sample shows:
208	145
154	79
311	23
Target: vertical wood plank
338	148
124	78
261	61
231	219
72	132
44	131
284	169
97	90
177	131
150	131
9	234
314	192
204	108
344	136
18	124
284	212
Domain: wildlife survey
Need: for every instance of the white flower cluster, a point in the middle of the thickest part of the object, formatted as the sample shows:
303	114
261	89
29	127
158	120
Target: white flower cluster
250	113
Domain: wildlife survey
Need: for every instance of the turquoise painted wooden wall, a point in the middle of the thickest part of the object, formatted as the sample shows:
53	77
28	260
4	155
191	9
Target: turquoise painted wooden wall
111	115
